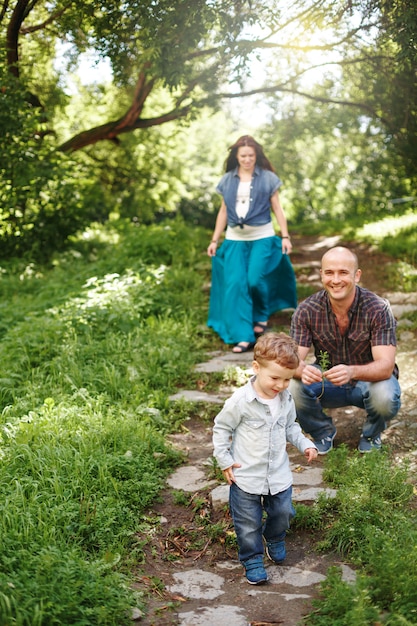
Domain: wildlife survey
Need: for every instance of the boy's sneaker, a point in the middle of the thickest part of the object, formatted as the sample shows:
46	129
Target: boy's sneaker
255	571
367	444
326	444
275	551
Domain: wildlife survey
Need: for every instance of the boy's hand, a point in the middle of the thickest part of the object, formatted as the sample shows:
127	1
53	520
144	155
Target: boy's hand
310	454
228	473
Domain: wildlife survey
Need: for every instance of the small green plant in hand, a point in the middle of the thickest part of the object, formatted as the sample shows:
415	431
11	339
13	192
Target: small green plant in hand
324	362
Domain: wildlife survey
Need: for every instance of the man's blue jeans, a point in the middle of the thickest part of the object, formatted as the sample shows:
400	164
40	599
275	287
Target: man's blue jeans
247	513
381	401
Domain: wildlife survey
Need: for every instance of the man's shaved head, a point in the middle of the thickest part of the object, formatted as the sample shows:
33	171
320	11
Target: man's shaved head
340	252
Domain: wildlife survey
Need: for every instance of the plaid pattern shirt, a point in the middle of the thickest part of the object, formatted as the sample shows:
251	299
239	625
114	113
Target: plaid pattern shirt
371	323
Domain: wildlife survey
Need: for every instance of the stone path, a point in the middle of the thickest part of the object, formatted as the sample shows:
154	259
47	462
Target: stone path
218	592
211	591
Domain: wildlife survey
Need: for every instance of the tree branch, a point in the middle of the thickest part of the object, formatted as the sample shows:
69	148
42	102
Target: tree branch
42	25
111	130
3	10
316	98
130	121
12	36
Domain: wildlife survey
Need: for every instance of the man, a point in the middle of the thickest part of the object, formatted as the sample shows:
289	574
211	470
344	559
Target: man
352	331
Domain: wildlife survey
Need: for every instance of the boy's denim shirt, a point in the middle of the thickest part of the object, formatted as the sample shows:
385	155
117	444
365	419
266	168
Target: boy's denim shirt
245	432
263	185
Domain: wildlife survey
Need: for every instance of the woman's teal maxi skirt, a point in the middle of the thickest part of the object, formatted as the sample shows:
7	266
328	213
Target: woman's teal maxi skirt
250	281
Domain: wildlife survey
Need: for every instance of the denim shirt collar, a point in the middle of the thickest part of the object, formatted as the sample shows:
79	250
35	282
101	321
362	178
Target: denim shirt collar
256	171
251	394
264	184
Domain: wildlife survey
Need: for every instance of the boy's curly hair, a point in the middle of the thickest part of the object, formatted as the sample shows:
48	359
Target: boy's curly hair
277	347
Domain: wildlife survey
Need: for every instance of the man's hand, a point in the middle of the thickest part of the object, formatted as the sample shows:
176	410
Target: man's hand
339	374
311	374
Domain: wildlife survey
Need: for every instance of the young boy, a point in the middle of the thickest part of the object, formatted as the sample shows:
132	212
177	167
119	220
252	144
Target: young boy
249	437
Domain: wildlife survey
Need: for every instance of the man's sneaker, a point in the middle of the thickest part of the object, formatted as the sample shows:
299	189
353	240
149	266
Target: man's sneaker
326	444
367	444
255	571
275	551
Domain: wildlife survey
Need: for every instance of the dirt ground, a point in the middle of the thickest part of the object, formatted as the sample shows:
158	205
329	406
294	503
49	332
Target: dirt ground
182	541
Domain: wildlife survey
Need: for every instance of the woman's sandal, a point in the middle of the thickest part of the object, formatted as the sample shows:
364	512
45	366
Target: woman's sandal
263	325
242	348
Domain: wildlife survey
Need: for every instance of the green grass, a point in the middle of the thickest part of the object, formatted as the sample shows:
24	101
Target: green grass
90	350
371	523
396	236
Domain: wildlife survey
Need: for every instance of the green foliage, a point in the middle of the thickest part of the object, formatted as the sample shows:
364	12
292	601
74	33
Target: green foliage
236	376
74	479
161	34
47	196
49	584
344	604
324	362
44	195
181	498
215	473
397	236
370	521
412	316
132	325
400	21
87	365
307	517
396	97
335	164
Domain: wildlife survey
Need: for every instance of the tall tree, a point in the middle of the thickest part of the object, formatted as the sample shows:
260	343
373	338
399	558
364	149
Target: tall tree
183	46
192	48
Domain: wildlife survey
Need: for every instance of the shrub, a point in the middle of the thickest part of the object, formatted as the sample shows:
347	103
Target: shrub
371	522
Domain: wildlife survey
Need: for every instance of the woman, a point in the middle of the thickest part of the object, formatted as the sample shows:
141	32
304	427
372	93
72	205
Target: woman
252	276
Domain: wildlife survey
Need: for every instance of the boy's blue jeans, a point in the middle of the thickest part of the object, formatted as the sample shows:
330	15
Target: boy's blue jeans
381	401
247	513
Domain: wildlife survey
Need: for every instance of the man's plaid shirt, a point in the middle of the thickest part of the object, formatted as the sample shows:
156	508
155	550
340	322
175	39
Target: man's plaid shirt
371	323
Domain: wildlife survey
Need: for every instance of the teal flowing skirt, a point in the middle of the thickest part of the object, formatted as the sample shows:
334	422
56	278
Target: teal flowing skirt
250	281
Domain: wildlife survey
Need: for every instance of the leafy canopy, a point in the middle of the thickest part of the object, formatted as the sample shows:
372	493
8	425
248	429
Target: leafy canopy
168	63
